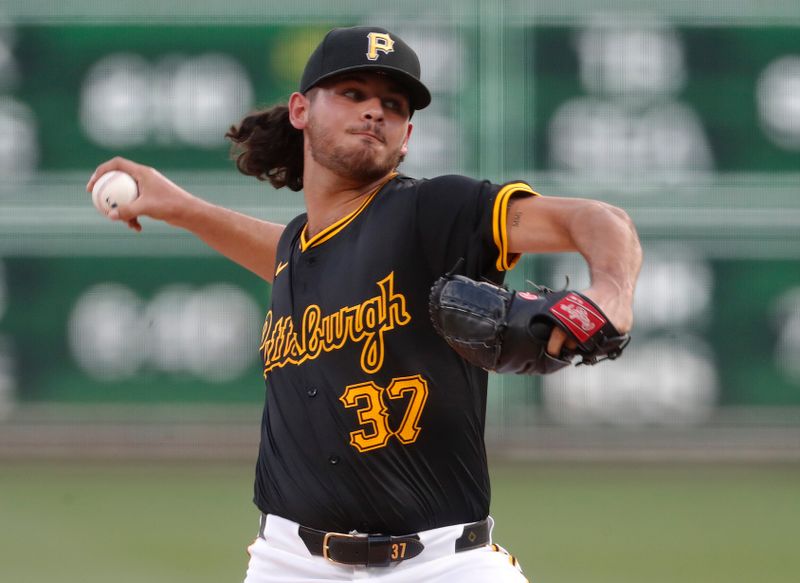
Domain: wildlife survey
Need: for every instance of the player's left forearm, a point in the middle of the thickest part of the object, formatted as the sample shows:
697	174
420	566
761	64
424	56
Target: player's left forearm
608	241
602	233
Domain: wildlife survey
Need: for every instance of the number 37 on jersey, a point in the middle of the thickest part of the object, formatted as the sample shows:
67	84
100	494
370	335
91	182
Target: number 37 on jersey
369	400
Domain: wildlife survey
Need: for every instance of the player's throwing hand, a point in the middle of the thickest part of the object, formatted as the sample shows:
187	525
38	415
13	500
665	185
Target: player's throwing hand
159	198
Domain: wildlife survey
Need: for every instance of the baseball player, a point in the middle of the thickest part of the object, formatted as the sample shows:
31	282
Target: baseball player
372	460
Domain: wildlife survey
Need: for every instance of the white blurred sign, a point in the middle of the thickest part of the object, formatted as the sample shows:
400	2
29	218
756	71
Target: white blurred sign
210	333
126	101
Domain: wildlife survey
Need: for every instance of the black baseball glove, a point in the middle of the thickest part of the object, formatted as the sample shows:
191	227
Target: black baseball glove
507	331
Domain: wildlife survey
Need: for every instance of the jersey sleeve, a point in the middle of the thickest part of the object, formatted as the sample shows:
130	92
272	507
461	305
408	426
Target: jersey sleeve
458	217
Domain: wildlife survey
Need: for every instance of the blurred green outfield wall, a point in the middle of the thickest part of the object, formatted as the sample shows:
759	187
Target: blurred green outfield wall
687	116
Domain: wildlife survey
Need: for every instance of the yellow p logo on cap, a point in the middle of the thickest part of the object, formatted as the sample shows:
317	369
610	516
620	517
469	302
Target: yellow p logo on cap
379	41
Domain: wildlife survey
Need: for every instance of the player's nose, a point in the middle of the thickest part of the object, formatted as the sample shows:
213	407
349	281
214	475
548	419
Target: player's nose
373	109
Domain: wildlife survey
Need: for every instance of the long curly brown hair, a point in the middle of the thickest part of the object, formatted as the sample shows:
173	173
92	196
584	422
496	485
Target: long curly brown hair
267	146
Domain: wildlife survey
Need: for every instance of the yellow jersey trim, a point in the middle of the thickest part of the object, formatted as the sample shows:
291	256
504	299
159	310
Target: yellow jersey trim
334	229
506	261
281	266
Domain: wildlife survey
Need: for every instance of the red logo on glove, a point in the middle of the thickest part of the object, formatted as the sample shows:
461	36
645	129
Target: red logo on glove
580	317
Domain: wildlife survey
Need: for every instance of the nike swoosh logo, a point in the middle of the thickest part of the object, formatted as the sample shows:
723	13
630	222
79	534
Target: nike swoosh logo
281	266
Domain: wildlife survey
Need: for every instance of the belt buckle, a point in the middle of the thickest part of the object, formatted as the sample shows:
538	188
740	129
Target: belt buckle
327	539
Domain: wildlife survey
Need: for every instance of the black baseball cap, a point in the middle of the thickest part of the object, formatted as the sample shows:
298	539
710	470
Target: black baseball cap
365	48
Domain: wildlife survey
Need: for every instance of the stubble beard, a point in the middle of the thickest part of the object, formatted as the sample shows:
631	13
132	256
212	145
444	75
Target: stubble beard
360	164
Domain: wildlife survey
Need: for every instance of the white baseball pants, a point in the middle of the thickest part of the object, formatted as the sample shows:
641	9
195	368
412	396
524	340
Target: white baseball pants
282	557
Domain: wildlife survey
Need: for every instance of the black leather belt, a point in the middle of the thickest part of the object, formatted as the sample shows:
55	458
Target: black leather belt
381	550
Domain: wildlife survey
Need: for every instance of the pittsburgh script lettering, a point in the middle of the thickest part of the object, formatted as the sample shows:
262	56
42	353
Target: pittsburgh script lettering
366	322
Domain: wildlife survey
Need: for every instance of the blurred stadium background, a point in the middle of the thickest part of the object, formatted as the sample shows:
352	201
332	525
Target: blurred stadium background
130	389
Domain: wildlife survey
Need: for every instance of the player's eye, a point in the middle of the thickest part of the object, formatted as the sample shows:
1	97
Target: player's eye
394	104
353	94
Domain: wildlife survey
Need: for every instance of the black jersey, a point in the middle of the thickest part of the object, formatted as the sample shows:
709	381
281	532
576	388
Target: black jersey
372	422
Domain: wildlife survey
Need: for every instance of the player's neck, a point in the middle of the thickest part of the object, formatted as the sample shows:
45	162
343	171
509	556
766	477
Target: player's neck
329	197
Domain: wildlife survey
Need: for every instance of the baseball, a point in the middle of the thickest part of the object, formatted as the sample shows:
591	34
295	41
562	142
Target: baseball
113	189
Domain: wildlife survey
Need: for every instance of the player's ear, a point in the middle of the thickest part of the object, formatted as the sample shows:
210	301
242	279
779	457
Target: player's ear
404	147
298	110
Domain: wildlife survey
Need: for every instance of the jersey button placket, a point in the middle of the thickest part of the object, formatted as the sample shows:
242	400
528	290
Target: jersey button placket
308	262
334	459
312	392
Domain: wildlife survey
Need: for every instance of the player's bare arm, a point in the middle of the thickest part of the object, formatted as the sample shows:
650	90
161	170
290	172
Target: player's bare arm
248	241
603	234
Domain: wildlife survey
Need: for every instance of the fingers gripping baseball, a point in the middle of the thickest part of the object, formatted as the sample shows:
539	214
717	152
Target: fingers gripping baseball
116	163
158	197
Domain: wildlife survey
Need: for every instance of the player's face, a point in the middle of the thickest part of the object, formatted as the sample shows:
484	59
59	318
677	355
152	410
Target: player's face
358	125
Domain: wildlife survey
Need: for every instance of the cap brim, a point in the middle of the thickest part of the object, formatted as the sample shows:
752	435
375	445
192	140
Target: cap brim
419	96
